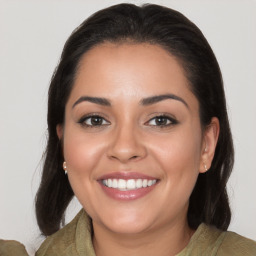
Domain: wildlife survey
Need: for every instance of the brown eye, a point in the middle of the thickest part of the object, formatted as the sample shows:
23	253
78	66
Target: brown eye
96	120
93	121
162	121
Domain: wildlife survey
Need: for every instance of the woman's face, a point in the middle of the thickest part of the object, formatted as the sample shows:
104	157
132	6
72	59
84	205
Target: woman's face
133	143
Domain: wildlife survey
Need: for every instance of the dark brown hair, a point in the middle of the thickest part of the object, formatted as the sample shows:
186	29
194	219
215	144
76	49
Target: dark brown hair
171	30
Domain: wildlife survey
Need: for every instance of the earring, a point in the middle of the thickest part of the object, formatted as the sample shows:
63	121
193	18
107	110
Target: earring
205	167
65	167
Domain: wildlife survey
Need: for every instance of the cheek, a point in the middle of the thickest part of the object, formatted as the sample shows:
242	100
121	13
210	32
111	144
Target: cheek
178	149
81	152
179	156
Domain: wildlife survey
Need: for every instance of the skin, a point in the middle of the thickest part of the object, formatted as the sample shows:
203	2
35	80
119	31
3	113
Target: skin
130	139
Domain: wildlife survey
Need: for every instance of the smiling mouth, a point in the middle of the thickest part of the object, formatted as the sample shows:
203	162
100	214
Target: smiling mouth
127	185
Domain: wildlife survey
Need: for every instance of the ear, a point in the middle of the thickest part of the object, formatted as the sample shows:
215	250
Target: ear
59	131
210	139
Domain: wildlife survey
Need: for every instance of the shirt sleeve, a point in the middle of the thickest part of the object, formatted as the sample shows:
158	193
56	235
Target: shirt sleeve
12	248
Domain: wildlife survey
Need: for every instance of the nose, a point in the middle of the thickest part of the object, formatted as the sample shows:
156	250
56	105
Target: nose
126	145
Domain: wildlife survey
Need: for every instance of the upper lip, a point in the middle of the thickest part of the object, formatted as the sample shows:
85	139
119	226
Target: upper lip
126	176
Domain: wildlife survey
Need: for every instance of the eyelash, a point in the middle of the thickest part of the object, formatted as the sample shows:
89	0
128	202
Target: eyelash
170	121
83	120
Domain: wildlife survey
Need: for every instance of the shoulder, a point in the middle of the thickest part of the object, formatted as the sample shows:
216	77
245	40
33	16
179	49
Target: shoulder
234	244
12	248
210	241
62	242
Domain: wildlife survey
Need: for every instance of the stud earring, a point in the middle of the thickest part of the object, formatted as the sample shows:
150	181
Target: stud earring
65	167
205	167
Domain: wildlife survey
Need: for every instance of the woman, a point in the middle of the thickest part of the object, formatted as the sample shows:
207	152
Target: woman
139	133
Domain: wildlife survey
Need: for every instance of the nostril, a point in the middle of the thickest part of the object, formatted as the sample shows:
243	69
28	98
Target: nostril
125	148
125	158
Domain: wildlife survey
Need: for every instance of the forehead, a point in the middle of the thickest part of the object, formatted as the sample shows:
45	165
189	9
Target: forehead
129	70
131	59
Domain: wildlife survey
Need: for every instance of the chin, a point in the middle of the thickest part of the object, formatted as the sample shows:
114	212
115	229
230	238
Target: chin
128	228
128	223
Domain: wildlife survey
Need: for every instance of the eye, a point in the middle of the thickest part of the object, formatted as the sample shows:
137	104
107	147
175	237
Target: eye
161	120
93	120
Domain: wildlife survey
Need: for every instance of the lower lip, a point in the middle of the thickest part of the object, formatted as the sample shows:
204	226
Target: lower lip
127	195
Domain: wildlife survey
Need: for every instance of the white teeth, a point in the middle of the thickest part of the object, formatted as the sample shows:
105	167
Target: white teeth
130	184
121	184
109	183
114	183
139	183
144	183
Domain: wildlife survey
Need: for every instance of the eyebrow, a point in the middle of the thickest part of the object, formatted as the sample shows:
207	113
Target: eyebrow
96	100
158	98
144	102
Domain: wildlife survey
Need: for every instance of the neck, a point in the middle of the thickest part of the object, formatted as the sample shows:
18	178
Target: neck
167	241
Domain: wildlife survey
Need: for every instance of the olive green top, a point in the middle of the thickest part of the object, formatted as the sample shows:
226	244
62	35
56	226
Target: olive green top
75	240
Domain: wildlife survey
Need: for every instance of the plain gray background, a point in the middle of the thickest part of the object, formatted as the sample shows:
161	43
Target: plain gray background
32	34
